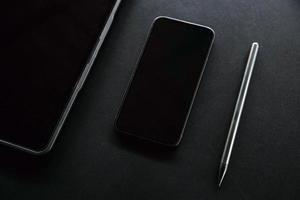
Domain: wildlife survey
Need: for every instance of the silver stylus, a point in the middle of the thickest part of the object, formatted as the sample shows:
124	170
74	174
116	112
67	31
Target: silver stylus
237	112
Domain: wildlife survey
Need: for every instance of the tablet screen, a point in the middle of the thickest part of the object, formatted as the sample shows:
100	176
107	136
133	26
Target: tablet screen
45	45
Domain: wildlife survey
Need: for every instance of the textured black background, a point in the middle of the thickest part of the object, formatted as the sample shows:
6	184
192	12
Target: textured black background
89	161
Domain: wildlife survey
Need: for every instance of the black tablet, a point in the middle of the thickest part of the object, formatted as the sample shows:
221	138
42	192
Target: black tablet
47	49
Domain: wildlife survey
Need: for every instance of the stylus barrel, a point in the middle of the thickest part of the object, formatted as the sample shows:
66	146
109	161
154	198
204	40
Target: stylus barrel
237	112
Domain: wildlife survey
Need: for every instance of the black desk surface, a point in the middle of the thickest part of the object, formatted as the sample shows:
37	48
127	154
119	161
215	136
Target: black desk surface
89	161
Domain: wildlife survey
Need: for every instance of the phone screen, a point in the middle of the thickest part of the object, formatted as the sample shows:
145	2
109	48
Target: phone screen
158	101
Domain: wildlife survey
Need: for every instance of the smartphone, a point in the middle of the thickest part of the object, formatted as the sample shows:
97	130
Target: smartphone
161	92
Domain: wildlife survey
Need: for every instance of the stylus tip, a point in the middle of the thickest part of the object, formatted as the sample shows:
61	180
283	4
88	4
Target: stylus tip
222	172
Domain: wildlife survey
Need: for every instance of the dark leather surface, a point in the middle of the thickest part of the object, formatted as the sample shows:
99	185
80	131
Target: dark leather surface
89	161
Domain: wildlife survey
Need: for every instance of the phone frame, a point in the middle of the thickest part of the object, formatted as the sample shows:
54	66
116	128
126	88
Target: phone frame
134	72
77	87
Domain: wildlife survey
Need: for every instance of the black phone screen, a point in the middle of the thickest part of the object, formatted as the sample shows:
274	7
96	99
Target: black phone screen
159	98
45	46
